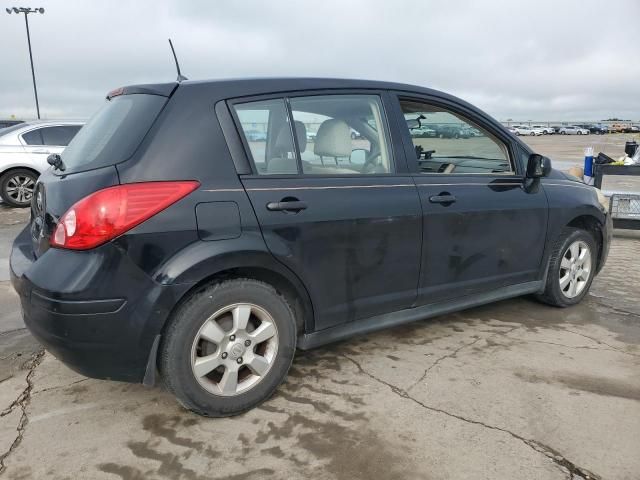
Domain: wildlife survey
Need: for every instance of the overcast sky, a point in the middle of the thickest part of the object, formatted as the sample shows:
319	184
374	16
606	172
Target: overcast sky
555	60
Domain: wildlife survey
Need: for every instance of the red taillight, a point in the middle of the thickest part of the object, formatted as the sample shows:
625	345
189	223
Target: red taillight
105	214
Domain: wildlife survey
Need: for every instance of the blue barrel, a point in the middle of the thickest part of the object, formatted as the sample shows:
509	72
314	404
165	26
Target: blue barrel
588	166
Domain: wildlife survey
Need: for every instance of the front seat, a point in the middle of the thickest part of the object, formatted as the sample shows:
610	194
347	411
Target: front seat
333	140
283	162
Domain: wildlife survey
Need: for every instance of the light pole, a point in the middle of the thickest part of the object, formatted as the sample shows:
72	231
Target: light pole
26	12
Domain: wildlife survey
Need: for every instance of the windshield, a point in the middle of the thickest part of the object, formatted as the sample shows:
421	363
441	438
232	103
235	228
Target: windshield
115	131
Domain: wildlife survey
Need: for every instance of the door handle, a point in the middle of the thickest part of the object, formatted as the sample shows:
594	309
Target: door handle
444	198
286	206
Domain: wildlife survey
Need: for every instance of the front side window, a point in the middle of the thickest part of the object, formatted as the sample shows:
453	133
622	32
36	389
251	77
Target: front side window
341	135
445	142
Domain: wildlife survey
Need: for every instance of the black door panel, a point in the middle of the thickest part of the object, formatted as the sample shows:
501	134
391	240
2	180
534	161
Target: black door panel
482	230
354	242
493	235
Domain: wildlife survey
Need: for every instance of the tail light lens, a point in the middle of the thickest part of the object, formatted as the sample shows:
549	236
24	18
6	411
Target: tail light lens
108	213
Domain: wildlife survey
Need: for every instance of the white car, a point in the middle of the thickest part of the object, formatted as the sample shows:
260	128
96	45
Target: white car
545	130
573	130
521	130
24	149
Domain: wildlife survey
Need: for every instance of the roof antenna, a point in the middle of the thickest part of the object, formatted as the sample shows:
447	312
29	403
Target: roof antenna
180	76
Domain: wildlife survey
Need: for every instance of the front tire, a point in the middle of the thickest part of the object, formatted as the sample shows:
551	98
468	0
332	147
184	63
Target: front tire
572	266
228	347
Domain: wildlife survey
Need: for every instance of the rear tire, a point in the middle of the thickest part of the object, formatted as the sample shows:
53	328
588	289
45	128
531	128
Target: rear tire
17	187
572	266
207	335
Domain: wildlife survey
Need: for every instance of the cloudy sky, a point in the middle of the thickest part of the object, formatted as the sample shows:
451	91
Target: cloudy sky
544	60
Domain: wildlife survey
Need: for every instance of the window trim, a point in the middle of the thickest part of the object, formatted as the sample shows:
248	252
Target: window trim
396	154
466	113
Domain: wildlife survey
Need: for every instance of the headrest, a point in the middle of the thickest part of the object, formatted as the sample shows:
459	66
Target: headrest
283	140
333	139
301	135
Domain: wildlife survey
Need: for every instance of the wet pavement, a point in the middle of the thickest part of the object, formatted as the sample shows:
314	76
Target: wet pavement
510	390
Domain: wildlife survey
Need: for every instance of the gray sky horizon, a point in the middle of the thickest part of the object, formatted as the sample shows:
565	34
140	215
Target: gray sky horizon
546	60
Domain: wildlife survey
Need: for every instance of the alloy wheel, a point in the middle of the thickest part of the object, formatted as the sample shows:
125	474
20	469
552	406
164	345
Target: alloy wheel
575	269
234	349
20	188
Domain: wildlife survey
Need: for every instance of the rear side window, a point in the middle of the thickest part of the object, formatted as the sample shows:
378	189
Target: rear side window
267	132
34	137
334	135
59	136
343	135
115	131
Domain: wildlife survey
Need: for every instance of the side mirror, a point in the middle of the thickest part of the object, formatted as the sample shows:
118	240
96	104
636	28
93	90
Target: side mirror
538	166
55	161
358	156
413	124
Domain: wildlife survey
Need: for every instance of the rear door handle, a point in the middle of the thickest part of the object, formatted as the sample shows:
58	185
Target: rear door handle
286	206
442	198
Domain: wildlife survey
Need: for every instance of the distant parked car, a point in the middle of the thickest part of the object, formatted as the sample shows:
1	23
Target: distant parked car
512	129
423	131
573	130
24	149
632	129
528	131
256	136
546	130
596	129
618	127
451	131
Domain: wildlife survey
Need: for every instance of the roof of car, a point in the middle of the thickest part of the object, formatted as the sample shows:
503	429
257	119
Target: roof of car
238	87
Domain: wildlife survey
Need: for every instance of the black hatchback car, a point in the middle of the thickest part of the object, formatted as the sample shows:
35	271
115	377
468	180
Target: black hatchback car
166	241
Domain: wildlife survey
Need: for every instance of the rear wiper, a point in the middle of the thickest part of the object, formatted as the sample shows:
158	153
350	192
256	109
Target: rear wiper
56	162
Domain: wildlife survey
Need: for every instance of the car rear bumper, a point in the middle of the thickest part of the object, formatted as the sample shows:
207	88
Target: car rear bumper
95	311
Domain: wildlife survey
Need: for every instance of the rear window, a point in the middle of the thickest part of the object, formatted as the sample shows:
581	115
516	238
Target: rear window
113	133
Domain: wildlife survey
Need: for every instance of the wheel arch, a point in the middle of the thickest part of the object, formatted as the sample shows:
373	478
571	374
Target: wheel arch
19	167
590	224
256	266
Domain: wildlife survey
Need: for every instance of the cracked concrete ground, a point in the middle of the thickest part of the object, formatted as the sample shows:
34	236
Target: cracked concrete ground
510	390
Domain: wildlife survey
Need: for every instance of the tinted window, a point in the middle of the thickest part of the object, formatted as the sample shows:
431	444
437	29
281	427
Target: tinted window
34	137
446	142
113	133
341	134
59	136
267	131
